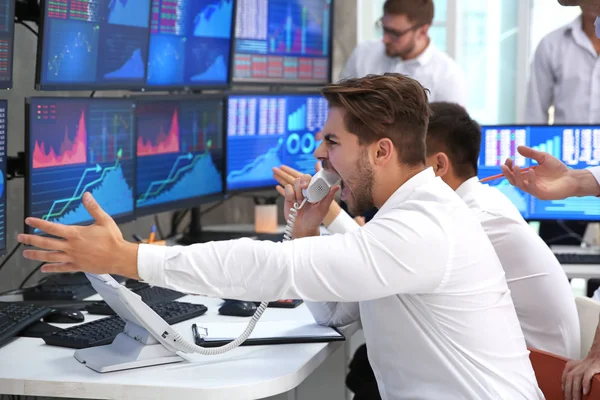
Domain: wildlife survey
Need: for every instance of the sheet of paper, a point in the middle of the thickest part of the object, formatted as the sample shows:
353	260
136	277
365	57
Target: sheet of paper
267	329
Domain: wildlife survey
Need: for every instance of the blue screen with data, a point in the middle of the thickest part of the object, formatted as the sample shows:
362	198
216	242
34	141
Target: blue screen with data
3	124
283	41
190	42
77	146
267	131
180	156
94	44
578	146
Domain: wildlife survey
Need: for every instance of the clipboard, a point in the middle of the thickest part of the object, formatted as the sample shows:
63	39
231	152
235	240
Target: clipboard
269	333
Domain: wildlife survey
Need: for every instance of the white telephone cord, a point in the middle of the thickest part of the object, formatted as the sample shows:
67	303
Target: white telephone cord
193	348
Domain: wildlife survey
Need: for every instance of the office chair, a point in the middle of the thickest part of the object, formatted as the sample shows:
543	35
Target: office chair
588	311
548	370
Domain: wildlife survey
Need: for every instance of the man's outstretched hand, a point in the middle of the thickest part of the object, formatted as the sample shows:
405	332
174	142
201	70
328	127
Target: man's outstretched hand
98	248
551	179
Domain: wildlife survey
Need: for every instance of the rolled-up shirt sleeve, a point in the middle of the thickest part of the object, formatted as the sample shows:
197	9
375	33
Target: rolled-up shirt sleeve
390	255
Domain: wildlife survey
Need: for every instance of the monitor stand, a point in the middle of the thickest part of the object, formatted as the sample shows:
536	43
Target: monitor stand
195	234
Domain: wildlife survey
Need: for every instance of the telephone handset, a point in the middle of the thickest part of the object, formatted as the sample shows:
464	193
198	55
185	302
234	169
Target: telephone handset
320	185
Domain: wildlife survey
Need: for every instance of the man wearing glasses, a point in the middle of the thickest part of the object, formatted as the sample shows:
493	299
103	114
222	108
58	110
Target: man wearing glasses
407	49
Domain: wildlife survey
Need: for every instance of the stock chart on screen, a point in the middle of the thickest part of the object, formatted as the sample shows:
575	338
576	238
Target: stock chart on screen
94	44
77	146
266	131
578	146
179	153
282	41
190	42
7	27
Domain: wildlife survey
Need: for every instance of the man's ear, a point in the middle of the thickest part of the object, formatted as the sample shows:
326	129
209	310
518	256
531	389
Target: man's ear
441	164
384	151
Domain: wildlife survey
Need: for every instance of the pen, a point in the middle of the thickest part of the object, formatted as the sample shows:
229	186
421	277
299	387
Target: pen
152	234
493	177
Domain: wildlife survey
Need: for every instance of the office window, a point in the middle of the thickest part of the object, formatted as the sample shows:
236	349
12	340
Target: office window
487	49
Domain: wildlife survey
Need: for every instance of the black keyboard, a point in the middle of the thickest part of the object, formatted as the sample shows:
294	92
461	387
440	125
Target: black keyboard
574	258
104	331
15	317
71	286
150	295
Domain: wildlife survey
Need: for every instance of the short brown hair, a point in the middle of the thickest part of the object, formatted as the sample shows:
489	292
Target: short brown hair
452	131
419	11
390	106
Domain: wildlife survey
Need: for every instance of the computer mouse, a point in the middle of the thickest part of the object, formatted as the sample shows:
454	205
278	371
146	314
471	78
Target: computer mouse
64	316
238	308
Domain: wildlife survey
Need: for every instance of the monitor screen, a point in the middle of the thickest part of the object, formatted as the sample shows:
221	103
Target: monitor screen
283	41
578	146
78	145
180	156
190	43
93	44
265	131
3	125
7	26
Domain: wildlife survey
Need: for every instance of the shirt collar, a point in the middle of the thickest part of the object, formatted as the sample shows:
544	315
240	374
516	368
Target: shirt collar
468	186
423	58
404	191
575	29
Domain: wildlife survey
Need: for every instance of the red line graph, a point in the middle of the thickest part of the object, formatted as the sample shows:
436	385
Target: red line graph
70	152
165	143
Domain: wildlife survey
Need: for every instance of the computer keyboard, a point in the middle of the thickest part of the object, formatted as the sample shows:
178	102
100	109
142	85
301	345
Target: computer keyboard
104	331
71	286
575	258
15	317
149	294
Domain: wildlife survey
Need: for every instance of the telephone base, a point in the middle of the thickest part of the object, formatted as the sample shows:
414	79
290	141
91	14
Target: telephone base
125	353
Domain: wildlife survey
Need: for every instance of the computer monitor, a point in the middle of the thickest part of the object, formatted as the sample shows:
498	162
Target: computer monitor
578	146
190	43
78	145
267	130
3	125
180	153
93	44
283	42
7	36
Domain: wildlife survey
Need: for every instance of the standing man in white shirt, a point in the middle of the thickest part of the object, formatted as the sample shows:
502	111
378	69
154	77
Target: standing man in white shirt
565	73
407	49
433	299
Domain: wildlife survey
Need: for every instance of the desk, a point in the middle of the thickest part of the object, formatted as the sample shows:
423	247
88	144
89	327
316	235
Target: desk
245	373
585	271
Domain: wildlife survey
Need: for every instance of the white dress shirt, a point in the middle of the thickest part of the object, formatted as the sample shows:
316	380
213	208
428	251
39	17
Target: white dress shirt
538	284
433	69
437	314
565	72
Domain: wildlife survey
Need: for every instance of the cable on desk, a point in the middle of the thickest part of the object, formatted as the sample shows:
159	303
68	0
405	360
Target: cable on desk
12	252
27	26
36	269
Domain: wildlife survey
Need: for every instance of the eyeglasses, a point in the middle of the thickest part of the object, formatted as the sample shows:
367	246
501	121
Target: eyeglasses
392	33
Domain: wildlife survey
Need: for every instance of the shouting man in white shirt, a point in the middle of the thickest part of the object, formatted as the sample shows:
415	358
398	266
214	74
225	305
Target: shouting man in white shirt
433	299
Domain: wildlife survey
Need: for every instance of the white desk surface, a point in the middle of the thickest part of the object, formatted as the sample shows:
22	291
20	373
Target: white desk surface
30	367
585	271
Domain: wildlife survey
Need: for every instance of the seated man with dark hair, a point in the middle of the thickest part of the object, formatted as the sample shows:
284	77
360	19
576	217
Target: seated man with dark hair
539	287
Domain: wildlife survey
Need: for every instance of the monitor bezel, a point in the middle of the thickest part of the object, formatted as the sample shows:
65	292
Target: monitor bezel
575	125
292	84
5	191
138	88
7	85
233	192
28	158
191	202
